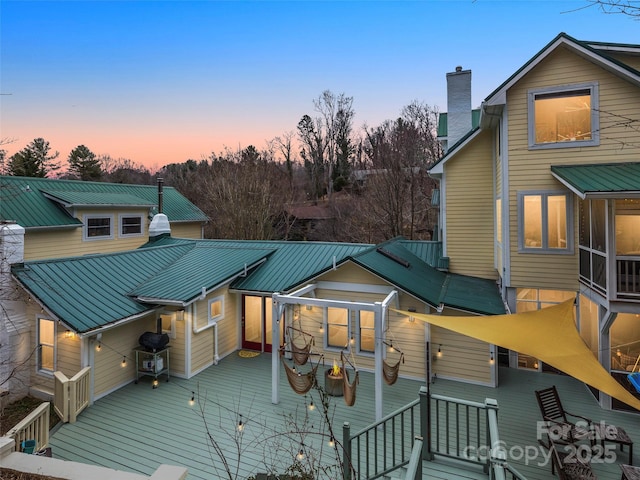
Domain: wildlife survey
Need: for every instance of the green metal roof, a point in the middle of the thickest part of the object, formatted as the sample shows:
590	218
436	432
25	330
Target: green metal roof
443	122
97	199
427	251
95	291
400	267
90	292
290	265
472	294
603	180
204	266
24	200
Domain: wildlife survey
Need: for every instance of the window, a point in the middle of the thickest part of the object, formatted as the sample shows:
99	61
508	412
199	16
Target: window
337	320
97	227
366	328
563	117
167	324
46	345
215	313
546	222
130	225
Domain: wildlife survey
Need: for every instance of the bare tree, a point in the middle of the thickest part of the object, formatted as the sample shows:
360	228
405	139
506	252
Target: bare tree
624	7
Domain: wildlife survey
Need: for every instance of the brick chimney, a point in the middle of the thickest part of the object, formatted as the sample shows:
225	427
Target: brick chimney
458	105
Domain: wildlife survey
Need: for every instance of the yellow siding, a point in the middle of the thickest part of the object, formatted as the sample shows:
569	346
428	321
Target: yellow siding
58	243
470	206
352	273
186	230
178	347
463	358
618	99
109	374
407	336
228	327
202	342
68	359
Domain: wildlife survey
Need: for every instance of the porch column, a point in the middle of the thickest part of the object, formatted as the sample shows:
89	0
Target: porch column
276	310
604	348
379	356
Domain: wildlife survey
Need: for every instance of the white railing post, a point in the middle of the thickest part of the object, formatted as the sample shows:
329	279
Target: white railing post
61	396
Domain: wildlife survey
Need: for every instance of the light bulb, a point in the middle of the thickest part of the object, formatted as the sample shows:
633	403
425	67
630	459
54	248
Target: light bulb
192	401
352	340
491	360
300	455
155	383
312	406
98	347
240	425
332	442
439	351
124	361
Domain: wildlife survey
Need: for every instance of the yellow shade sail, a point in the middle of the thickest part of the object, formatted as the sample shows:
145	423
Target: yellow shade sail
549	334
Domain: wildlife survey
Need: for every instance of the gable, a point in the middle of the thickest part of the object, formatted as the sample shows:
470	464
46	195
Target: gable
39	202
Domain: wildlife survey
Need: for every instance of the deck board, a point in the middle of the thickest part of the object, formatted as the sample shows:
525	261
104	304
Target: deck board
137	428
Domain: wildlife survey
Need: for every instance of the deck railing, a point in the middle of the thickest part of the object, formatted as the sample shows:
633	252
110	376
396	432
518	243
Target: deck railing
628	277
383	446
71	395
454	428
34	426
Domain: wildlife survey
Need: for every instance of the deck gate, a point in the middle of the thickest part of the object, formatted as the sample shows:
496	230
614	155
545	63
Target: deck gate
71	396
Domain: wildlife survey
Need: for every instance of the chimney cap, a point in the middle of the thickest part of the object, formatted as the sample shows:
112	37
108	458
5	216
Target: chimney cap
459	68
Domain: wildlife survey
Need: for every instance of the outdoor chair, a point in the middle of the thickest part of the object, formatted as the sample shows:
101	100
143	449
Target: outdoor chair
557	418
567	463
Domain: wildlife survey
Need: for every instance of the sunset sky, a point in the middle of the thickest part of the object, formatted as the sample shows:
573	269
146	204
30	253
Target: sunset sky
161	82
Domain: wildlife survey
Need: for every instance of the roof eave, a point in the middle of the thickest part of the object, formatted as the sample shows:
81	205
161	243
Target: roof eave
498	96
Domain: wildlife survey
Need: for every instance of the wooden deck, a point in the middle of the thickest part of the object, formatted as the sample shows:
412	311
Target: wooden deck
137	428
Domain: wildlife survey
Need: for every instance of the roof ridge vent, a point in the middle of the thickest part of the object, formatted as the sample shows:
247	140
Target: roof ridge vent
393	257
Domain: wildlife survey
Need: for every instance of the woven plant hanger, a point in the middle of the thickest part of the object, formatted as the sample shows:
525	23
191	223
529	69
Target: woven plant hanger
349	388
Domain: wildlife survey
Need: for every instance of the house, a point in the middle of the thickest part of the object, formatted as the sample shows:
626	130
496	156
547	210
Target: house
214	297
46	218
64	218
542	195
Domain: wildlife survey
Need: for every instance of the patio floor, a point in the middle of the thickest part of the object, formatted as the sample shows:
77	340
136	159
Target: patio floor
137	428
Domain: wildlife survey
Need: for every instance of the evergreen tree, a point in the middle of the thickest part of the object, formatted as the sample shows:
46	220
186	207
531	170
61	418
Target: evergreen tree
84	164
33	160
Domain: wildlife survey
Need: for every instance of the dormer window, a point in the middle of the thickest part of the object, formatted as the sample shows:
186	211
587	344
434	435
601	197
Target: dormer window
562	117
97	227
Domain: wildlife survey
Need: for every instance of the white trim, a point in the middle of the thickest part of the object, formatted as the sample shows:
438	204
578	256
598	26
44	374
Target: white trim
594	141
121	216
358	335
41	371
569	219
211	321
354	287
325	336
172	317
85	227
498	97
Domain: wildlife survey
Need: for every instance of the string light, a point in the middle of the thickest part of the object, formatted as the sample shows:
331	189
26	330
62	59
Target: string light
439	354
332	442
124	362
352	340
391	349
312	407
321	330
300	455
192	401
240	425
98	347
155	383
491	360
